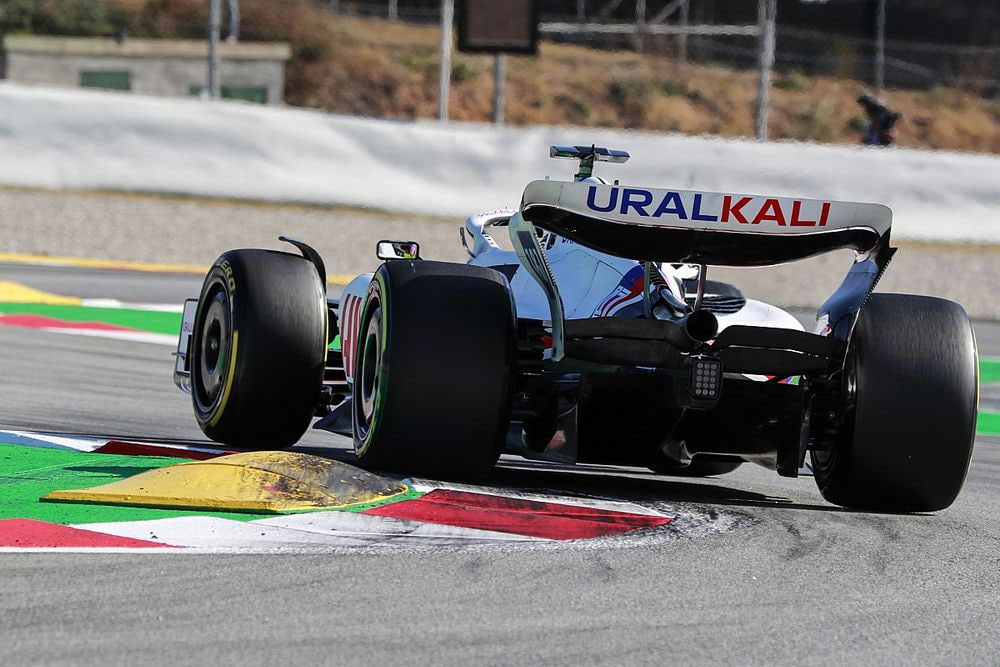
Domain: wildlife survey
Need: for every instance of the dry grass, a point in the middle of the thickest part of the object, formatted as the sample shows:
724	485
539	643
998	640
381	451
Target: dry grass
378	68
374	67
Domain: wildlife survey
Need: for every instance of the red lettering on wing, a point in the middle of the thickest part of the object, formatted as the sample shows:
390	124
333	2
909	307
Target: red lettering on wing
824	214
796	220
771	210
735	209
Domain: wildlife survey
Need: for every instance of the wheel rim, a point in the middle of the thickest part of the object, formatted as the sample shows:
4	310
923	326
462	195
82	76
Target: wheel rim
212	349
369	373
823	460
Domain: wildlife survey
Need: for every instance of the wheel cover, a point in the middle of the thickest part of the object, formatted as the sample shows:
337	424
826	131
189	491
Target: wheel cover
212	347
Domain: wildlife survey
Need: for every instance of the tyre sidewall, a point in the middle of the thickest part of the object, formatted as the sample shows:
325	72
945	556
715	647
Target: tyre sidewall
278	330
907	438
444	388
219	279
375	303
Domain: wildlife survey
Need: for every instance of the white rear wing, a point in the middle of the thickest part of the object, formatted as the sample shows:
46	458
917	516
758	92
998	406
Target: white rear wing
701	227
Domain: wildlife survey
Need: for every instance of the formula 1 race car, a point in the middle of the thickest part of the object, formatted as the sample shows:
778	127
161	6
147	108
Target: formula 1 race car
599	339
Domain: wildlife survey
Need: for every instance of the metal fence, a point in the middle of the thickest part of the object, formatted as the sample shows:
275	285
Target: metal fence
907	64
689	29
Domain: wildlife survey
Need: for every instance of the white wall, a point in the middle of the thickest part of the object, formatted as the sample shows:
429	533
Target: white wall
97	140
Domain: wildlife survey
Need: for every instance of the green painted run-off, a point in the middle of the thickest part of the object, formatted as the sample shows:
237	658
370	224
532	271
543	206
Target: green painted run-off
28	473
989	370
152	321
988	424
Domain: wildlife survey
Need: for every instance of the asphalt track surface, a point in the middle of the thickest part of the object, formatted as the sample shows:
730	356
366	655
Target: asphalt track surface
791	579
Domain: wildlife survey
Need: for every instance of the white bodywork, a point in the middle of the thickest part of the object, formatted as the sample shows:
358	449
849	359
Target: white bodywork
589	283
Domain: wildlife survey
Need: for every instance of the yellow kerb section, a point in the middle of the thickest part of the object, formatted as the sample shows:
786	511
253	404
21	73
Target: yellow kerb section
250	482
11	292
85	263
123	265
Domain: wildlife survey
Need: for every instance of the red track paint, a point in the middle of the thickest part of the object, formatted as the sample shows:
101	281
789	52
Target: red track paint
533	518
43	322
145	449
31	534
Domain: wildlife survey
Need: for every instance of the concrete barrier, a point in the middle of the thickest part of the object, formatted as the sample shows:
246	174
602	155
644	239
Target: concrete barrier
63	138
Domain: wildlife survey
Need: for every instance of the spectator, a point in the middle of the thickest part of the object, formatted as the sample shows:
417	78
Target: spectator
881	127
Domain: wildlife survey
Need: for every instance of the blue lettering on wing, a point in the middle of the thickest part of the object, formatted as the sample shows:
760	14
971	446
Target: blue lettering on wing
612	200
696	213
671	204
629	201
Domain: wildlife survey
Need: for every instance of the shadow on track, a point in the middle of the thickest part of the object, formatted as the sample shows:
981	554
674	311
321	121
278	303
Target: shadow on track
639	487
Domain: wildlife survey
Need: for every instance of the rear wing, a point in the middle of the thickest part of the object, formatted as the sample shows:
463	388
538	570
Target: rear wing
656	225
701	227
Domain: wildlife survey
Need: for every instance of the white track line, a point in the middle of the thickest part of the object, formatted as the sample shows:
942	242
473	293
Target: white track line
115	303
133	336
202	532
314	530
28	439
426	486
381	529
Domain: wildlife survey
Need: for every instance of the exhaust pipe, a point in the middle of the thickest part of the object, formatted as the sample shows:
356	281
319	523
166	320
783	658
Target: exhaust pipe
700	326
690	331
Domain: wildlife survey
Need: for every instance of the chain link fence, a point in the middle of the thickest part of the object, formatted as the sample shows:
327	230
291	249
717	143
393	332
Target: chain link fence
632	24
907	64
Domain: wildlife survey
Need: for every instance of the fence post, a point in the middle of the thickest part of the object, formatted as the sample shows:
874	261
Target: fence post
682	51
233	33
640	25
214	21
766	11
447	18
880	49
500	85
393	10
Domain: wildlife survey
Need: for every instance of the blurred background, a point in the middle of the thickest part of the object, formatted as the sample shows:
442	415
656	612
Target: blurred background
688	66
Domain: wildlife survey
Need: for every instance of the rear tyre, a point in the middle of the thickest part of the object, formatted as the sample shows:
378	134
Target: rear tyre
910	391
433	370
258	349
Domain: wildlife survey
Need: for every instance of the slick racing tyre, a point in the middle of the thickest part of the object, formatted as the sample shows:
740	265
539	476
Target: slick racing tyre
909	397
433	370
258	349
